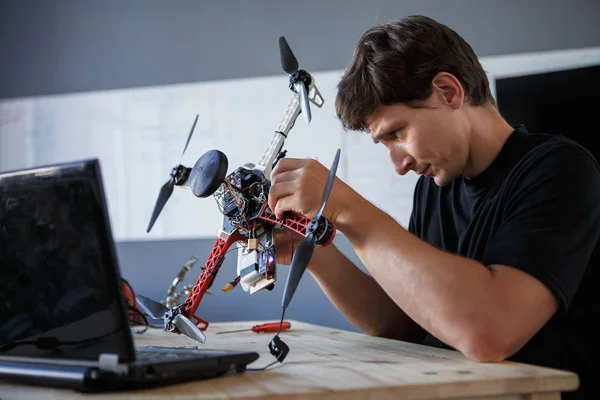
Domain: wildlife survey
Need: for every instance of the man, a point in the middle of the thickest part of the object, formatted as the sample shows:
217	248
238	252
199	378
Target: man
500	257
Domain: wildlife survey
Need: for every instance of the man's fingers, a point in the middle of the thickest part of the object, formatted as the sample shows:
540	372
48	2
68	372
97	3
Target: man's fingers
285	176
277	193
288	164
284	204
293	183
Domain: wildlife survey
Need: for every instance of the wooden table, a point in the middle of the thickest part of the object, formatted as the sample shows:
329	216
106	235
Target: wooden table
326	363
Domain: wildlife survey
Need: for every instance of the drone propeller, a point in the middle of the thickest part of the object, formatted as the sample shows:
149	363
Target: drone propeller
299	79
187	142
289	63
188	328
178	175
182	323
150	307
306	247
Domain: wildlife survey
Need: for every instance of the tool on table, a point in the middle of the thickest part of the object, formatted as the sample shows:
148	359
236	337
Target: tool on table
266	328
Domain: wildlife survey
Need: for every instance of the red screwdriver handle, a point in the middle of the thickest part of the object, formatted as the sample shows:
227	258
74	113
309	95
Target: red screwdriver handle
271	327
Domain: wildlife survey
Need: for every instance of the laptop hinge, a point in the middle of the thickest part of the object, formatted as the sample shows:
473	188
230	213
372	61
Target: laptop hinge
110	362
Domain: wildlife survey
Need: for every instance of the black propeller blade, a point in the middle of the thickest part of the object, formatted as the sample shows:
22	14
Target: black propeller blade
289	63
176	177
306	247
165	193
189	138
182	323
151	307
299	79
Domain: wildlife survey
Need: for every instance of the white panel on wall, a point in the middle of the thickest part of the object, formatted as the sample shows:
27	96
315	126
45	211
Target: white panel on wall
138	136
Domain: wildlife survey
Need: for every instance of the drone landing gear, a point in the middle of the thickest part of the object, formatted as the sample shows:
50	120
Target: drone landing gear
209	272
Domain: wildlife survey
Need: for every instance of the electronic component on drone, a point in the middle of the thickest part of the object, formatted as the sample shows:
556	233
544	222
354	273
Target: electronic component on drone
241	197
256	266
230	285
248	263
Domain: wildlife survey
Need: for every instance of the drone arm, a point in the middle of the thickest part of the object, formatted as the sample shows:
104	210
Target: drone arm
292	112
289	118
299	223
208	274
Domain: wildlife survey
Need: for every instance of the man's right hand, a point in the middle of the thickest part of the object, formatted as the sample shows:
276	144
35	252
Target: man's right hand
297	185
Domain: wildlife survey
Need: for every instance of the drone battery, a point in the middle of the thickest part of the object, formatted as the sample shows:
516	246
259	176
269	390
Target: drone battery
248	268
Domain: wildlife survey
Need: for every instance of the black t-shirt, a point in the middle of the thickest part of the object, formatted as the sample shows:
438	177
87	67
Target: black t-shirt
536	208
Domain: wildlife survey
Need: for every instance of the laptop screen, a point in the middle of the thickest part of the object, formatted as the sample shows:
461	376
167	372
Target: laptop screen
59	280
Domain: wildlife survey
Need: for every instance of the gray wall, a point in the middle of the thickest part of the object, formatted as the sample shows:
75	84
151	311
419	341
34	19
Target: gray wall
77	45
80	45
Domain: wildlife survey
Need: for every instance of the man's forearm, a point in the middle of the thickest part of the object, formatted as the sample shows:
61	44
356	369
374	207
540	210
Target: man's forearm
359	297
445	294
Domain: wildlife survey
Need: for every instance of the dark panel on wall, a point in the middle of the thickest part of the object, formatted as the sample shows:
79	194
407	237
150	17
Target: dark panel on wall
561	102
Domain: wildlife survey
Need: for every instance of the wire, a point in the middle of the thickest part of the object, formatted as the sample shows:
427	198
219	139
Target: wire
135	310
263	368
278	332
133	320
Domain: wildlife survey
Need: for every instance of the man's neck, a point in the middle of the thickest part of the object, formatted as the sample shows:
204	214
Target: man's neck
489	131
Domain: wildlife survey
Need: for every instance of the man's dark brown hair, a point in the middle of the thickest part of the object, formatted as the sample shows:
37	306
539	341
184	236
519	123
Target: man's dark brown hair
395	62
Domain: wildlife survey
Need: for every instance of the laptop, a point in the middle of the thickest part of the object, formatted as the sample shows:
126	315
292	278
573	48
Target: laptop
63	315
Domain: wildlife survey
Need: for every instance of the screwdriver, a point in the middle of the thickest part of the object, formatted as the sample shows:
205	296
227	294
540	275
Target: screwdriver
267	328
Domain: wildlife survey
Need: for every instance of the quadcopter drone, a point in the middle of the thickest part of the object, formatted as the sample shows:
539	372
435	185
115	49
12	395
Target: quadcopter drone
248	221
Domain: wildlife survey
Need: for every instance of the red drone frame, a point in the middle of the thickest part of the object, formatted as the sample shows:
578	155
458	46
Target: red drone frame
247	219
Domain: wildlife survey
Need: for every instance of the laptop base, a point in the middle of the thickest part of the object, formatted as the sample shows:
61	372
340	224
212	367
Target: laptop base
193	366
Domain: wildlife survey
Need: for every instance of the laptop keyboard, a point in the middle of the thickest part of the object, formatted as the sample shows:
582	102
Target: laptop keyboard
175	353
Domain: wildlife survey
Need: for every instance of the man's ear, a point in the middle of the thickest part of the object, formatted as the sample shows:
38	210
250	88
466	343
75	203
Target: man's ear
449	89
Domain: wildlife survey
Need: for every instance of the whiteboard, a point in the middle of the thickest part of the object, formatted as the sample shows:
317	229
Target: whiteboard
138	135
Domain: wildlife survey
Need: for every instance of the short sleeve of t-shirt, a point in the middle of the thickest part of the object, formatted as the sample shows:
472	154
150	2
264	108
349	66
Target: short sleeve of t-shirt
412	221
551	217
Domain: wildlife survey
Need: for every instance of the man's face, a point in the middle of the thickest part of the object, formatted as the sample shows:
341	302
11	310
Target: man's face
431	141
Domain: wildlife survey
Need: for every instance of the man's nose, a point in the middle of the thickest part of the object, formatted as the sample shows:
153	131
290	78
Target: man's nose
405	165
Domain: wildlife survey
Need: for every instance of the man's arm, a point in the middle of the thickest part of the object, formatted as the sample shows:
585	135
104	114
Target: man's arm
485	313
360	298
